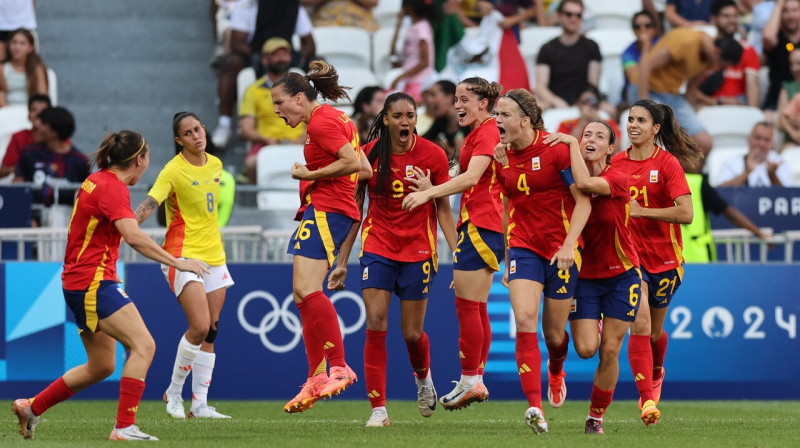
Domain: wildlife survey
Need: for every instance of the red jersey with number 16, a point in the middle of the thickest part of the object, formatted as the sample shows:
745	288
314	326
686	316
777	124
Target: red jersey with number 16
655	183
481	205
390	231
328	130
608	243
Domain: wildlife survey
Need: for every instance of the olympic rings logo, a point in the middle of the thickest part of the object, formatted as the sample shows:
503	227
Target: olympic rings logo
280	314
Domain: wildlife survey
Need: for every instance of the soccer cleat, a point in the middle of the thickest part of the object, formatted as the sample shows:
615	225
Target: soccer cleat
206	411
593	426
556	388
462	396
27	420
174	405
339	379
309	394
221	136
657	383
485	395
131	433
534	417
378	418
426	398
650	414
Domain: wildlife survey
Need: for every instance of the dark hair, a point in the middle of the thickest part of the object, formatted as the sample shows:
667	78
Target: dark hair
448	88
424	8
32	61
612	136
176	125
382	151
560	9
120	149
60	119
731	49
673	137
719	5
324	78
39	98
645	13
528	106
364	97
484	89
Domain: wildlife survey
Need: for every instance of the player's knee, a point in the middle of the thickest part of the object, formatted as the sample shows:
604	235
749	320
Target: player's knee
232	64
212	333
197	332
146	347
585	349
411	335
103	369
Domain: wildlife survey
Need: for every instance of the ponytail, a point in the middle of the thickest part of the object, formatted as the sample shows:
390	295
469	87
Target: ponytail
120	149
322	80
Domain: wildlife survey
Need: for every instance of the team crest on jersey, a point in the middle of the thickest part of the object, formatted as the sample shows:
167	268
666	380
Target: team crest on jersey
365	274
536	164
653	176
409	170
512	267
308	139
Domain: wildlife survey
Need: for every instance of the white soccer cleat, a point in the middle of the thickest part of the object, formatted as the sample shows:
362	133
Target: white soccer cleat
206	411
174	405
378	419
131	433
462	396
426	397
534	417
221	136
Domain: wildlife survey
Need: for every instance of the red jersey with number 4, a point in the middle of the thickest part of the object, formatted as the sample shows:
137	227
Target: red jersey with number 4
608	243
93	240
390	231
537	181
328	130
481	205
655	183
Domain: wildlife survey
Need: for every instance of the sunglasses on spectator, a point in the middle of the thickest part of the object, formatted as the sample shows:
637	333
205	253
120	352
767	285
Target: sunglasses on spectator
573	14
589	101
638	26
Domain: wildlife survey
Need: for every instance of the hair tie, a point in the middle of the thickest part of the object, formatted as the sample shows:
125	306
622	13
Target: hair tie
141	147
117	138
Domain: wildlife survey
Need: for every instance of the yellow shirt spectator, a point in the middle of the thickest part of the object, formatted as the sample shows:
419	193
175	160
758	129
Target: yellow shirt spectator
257	103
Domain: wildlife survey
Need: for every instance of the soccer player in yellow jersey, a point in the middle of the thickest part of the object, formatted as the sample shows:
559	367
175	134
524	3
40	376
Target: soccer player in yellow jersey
189	183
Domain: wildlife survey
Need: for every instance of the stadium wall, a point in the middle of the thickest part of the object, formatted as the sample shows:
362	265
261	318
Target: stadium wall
732	335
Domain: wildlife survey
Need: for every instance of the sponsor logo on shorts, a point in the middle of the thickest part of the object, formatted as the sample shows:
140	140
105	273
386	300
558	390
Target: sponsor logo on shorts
512	267
365	274
124	294
574	306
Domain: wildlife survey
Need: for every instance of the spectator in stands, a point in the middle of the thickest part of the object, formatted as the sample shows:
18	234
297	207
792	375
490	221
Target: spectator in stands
645	26
544	12
15	14
516	12
656	9
221	13
787	118
447	32
253	23
417	57
343	13
688	12
367	105
258	123
568	63
36	104
587	104
445	129
24	73
760	167
53	162
684	54
780	36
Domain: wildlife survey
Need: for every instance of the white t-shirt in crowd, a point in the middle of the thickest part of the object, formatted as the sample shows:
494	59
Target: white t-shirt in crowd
246	12
758	177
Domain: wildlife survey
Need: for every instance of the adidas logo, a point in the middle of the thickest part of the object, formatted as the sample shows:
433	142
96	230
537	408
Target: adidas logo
134	409
425	291
461	354
373	394
195	183
638	377
524	369
186	368
562	290
297	245
328	345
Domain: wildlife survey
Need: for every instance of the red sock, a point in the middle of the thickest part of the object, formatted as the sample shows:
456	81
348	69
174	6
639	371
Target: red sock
55	393
130	394
470	335
375	367
640	356
487	337
557	355
314	351
601	400
659	353
326	326
529	362
419	352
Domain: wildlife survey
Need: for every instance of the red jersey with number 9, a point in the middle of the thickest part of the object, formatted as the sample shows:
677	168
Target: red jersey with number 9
481	204
328	130
655	183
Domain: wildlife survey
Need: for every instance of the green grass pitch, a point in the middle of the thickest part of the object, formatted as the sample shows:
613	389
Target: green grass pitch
493	424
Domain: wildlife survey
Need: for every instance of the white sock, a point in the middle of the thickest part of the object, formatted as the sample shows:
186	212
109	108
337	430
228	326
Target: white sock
201	378
379	408
423	381
469	380
480	378
594	418
225	121
184	358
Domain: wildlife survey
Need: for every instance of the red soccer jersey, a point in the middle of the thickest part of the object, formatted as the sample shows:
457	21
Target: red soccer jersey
608	243
540	202
328	130
481	205
93	240
734	82
655	183
390	231
19	140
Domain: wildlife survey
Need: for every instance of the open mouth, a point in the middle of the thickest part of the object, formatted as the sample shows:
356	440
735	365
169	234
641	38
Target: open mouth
502	130
461	115
590	149
404	134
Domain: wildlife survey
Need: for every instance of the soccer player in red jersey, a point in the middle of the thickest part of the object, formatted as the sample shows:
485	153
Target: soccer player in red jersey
660	202
103	312
398	250
332	170
480	234
546	214
609	284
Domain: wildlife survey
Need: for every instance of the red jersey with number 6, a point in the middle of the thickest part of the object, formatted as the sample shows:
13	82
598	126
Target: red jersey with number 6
481	204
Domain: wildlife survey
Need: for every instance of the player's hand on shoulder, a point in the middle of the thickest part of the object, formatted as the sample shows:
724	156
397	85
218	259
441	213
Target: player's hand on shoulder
501	153
191	265
557	137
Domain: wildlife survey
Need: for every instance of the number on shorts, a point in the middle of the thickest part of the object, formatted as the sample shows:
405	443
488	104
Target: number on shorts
303	232
458	246
426	269
664	284
397	187
563	274
635	193
634	296
210	202
522	184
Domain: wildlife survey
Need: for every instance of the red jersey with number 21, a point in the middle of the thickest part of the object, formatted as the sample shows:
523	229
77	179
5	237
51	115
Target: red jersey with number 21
481	204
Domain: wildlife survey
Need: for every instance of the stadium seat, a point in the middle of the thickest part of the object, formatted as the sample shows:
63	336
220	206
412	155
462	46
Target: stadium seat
390	76
531	40
614	15
718	156
553	117
12	119
729	125
386	12
274	167
381	50
624	141
612	43
52	86
792	156
343	46
243	80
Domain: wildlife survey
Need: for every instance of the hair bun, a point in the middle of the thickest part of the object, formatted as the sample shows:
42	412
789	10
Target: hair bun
117	138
